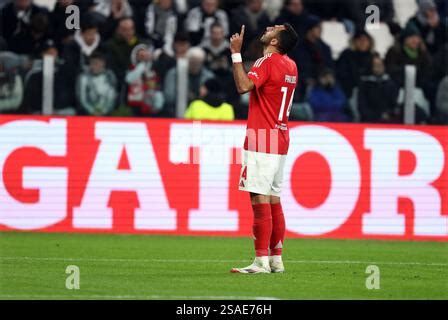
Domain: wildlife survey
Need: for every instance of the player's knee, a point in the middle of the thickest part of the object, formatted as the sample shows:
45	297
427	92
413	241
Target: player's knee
259	198
274	199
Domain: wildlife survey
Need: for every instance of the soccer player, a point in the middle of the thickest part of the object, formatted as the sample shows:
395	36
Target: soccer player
271	83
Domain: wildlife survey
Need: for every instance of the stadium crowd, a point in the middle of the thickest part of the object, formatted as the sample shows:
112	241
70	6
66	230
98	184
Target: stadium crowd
122	61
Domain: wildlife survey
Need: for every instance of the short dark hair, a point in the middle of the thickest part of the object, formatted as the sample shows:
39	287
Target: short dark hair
88	22
98	55
288	39
287	3
125	18
181	36
216	24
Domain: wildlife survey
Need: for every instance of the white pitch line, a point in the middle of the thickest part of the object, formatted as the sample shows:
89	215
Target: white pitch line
146	297
223	261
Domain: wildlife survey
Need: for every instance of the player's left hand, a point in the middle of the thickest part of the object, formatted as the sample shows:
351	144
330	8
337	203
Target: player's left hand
236	41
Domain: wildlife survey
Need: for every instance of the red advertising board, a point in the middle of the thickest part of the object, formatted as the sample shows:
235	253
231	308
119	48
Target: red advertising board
160	176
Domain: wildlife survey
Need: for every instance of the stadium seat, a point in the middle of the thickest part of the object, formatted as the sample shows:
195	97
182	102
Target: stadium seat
382	37
335	35
404	9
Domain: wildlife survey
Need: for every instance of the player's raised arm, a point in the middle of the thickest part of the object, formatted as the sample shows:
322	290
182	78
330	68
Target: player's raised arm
242	81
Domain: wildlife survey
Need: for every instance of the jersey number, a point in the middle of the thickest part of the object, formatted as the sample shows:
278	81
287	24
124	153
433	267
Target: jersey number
282	108
244	174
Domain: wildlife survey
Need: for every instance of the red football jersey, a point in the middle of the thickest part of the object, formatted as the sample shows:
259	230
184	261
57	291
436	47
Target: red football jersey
275	78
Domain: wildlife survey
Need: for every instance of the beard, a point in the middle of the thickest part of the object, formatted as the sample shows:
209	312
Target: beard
265	40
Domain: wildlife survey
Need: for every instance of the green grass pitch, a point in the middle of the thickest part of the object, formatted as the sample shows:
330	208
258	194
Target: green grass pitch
33	265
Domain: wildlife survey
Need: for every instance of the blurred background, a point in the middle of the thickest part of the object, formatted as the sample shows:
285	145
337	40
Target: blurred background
171	58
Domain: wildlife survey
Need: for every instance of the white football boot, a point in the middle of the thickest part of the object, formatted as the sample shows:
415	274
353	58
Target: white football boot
276	264
260	265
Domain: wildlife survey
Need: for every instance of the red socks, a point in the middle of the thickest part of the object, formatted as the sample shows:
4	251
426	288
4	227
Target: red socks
268	229
262	228
278	229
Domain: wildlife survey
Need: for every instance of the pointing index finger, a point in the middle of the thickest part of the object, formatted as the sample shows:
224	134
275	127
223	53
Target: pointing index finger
242	30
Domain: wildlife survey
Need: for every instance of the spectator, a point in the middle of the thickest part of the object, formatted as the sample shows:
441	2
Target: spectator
254	17
327	100
84	43
37	33
429	25
32	102
412	51
218	60
197	75
409	51
199	20
311	55
120	47
211	104
11	85
355	62
144	92
161	24
167	59
96	88
217	52
15	19
377	95
294	13
110	13
78	51
442	101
